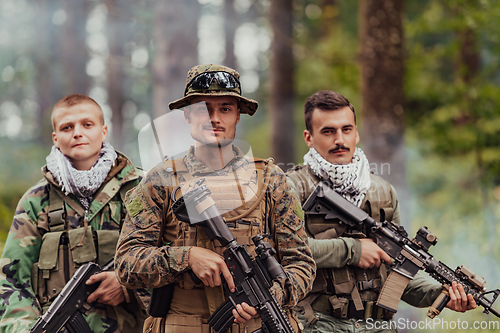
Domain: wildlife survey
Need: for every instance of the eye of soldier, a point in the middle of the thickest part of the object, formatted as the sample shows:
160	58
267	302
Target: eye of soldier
65	127
200	108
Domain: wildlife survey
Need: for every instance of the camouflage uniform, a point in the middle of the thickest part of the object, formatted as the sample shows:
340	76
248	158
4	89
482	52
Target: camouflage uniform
141	264
21	299
420	292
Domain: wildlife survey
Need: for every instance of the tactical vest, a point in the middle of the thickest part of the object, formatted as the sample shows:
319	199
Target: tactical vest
65	249
244	218
342	291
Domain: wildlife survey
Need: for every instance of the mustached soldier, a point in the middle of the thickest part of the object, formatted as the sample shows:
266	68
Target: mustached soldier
350	266
78	200
212	107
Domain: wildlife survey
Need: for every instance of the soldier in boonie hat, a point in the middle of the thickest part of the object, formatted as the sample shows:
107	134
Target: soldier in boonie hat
214	80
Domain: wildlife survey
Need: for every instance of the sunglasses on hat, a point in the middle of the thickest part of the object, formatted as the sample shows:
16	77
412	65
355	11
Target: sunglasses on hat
203	81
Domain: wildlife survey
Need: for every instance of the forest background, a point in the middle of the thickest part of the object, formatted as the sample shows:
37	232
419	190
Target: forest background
423	76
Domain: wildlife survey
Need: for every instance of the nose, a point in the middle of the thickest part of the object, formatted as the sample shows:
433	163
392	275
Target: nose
77	131
339	138
214	115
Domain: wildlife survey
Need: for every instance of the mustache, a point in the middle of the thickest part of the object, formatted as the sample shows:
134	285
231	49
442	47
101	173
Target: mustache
338	147
219	128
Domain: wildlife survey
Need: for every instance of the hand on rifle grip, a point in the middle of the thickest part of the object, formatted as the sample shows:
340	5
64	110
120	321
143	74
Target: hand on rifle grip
440	302
209	266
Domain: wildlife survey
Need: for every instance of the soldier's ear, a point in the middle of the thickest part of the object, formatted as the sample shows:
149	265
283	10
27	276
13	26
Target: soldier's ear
104	133
308	139
54	139
187	115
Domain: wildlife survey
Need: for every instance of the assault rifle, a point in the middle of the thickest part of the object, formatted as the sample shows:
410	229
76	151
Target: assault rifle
66	310
253	277
410	255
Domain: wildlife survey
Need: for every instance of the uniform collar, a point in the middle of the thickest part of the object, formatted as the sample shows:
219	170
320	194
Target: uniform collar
197	167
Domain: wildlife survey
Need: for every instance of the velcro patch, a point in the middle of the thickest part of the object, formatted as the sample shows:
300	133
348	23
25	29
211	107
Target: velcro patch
298	211
135	207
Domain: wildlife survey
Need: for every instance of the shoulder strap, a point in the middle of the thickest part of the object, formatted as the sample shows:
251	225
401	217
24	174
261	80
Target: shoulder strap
57	212
378	200
262	178
176	166
72	203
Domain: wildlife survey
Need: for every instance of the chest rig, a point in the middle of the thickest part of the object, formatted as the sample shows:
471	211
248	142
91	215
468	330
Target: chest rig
71	241
243	200
349	291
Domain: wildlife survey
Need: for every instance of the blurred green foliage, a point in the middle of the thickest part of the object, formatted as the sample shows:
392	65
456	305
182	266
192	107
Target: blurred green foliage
450	116
20	165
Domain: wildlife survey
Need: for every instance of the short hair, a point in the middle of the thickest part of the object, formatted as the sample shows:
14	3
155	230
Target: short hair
324	100
74	99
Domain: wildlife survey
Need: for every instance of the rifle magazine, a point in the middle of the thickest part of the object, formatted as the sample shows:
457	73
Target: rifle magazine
392	290
222	319
77	324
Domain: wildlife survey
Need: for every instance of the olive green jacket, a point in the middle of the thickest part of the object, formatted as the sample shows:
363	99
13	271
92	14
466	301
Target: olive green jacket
20	301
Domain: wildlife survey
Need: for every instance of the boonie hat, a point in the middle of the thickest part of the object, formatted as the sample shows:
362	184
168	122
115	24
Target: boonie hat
214	80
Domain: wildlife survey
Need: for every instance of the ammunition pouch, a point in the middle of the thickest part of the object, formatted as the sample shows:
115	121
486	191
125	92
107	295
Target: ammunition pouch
344	308
61	255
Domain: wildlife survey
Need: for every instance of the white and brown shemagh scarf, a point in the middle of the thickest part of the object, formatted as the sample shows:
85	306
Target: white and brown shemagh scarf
352	180
82	183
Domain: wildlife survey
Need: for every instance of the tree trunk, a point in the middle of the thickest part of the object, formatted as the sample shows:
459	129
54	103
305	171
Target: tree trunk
382	117
469	59
328	19
176	49
230	25
281	78
116	39
44	52
73	49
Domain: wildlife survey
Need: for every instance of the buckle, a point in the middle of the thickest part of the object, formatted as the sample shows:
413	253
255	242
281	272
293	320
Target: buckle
365	285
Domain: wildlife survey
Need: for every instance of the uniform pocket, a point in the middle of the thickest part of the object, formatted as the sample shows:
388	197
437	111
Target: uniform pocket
106	245
54	267
82	246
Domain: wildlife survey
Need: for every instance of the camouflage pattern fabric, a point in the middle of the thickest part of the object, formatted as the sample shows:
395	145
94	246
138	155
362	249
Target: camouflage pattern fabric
141	264
420	292
19	306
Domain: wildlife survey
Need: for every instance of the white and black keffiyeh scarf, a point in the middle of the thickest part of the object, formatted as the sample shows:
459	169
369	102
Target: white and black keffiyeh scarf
352	180
82	183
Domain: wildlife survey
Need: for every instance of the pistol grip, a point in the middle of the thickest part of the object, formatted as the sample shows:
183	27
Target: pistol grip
440	302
